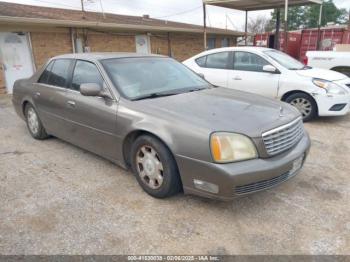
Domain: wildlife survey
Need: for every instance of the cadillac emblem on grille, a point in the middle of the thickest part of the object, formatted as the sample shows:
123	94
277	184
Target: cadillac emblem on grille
281	111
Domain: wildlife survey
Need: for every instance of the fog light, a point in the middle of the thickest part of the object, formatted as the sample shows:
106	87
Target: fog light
206	186
337	107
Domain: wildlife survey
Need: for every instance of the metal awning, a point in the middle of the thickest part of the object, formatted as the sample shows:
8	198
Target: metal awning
254	5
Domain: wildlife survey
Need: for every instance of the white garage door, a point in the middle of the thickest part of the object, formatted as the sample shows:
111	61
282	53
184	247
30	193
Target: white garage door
15	57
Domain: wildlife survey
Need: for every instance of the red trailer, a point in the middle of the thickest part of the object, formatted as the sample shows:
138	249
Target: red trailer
346	37
268	40
329	37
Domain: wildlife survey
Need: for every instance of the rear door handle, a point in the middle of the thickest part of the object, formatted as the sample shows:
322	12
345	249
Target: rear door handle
71	104
237	78
37	94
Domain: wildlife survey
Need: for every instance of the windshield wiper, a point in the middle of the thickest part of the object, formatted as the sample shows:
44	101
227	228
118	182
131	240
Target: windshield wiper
153	95
196	89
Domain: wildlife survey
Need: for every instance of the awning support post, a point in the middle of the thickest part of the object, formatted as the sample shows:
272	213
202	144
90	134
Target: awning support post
246	28
319	27
276	44
205	26
286	26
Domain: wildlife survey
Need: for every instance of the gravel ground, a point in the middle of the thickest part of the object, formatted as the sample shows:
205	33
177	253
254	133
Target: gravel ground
58	199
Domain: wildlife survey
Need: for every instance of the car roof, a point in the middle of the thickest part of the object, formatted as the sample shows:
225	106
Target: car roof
257	49
243	48
104	55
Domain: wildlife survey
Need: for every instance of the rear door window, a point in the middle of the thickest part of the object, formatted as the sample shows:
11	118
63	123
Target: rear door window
60	72
245	61
201	61
218	60
85	72
46	73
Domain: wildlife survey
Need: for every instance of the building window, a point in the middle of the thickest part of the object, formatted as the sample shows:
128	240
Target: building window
225	42
211	43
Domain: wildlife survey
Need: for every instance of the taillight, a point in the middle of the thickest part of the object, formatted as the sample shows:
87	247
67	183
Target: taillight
305	60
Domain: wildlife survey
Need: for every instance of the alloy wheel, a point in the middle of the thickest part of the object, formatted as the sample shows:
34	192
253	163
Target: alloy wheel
303	105
149	167
33	121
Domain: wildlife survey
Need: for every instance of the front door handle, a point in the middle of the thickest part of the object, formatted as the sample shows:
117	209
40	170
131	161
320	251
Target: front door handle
237	78
37	94
71	104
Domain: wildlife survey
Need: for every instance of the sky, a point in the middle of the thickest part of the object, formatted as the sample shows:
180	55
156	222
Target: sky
187	11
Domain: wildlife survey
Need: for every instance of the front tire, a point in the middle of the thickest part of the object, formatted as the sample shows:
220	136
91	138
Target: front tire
35	127
305	104
155	167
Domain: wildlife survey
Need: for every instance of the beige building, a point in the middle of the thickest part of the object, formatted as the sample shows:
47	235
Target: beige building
29	35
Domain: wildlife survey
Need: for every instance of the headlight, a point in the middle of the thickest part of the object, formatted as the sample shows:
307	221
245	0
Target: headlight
231	147
329	86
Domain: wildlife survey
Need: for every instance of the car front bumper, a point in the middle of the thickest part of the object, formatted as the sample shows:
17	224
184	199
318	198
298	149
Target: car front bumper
326	102
241	178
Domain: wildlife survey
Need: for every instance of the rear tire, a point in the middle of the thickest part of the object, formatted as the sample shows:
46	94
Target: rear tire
154	167
305	104
35	127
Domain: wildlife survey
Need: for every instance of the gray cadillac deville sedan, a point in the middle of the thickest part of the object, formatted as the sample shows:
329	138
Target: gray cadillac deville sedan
173	129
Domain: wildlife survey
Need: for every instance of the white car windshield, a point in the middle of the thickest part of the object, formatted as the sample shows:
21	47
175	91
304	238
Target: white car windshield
145	77
285	60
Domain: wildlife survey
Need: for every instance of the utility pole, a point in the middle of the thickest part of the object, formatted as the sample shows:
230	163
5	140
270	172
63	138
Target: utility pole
286	26
319	28
82	7
103	12
276	44
205	26
246	28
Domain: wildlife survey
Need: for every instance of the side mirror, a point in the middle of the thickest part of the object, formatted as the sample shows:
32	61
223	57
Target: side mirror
270	69
90	89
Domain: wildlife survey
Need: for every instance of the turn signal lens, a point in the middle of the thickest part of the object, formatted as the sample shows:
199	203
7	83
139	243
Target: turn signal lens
231	147
330	87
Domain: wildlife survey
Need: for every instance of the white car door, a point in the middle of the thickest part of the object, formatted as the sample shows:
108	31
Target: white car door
248	75
214	67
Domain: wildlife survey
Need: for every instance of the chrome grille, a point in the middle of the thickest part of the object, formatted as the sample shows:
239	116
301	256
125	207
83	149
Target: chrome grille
284	137
261	185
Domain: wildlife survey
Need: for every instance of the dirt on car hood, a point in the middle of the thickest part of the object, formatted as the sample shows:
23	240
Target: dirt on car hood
222	109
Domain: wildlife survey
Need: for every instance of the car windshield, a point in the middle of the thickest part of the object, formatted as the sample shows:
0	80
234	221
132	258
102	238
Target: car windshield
285	60
149	77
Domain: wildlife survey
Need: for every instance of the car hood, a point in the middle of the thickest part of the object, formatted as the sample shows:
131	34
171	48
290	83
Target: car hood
222	109
321	74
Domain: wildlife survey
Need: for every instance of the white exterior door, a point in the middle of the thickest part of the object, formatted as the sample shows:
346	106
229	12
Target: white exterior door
142	44
15	57
247	75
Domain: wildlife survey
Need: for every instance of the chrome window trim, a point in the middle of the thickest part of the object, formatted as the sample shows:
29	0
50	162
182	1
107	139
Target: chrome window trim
281	127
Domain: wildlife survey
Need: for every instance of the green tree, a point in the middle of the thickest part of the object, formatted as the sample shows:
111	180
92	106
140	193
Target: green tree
296	17
307	16
330	13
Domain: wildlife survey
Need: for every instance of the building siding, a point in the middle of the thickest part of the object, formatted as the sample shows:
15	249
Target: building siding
160	44
184	46
104	42
46	45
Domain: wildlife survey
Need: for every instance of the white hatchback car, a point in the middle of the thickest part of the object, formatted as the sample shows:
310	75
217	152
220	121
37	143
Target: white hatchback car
271	73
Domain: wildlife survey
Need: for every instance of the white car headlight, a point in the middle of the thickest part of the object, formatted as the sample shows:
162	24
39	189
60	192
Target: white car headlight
330	87
231	147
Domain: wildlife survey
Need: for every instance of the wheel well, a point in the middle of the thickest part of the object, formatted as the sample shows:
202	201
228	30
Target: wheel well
286	95
24	104
129	140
